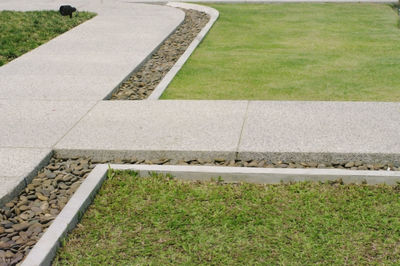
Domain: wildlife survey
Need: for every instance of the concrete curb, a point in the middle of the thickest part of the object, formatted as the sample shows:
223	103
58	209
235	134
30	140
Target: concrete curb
109	95
265	175
213	13
45	249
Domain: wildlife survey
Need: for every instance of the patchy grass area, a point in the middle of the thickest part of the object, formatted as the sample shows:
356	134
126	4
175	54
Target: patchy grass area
298	51
162	221
24	31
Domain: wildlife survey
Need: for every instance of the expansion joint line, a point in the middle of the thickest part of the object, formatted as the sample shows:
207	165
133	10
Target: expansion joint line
241	130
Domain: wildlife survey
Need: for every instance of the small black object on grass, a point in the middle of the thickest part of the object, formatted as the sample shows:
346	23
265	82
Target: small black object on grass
67	10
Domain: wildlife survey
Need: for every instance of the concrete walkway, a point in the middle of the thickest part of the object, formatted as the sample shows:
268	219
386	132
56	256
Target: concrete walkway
52	99
237	129
45	92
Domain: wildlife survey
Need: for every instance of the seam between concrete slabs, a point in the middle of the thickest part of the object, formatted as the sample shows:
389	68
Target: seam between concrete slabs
26	178
214	14
241	130
45	250
74	125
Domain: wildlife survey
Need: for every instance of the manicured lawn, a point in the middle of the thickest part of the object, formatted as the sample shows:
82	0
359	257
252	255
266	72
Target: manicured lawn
305	51
162	221
21	32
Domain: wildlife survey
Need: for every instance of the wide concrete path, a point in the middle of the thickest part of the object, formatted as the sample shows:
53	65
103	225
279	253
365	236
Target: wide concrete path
45	92
238	129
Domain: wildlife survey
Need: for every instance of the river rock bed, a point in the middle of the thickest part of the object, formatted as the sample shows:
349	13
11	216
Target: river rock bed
24	219
141	83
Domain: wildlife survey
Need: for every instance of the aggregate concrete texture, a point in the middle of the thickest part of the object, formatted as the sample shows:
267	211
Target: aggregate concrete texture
176	127
89	61
20	161
246	129
46	91
321	127
38	124
18	165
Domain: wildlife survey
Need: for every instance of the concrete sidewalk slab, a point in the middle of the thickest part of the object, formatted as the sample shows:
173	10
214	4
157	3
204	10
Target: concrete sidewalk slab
277	127
89	61
20	161
157	129
275	130
18	166
45	92
38	124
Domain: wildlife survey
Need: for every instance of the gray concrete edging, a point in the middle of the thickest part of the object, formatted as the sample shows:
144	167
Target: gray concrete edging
44	251
213	13
109	95
265	175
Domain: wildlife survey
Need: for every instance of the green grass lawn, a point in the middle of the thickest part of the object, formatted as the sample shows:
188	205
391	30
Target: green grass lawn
296	52
21	32
162	221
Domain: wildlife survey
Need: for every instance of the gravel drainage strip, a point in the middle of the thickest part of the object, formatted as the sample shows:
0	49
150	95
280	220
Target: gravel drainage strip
142	83
45	249
25	219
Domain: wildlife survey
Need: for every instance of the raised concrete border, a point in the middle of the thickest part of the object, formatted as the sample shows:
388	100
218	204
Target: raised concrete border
214	14
109	95
45	250
265	175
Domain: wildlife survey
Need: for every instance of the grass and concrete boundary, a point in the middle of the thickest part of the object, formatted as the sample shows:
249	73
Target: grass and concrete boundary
45	250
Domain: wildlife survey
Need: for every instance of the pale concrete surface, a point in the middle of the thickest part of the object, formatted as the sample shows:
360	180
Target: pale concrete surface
20	161
179	128
18	167
279	127
302	131
38	124
45	92
89	61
